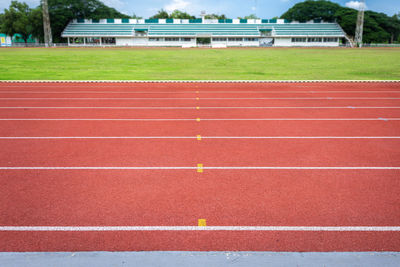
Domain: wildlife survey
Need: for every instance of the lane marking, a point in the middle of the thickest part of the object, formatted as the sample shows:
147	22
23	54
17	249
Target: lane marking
198	119
199	137
197	98
344	107
200	168
202	222
219	119
204	228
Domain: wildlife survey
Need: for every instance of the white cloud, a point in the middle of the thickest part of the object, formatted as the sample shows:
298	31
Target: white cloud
356	5
176	4
253	8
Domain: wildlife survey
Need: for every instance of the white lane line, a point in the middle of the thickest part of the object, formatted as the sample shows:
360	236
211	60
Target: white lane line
202	98
220	119
204	228
195	168
203	137
344	107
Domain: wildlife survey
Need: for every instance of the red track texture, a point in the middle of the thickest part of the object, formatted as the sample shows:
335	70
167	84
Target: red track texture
173	197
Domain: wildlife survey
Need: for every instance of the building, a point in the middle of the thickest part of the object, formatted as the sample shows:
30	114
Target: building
202	32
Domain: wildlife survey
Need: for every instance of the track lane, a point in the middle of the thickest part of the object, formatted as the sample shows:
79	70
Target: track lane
335	128
201	113
326	198
200	103
210	152
223	197
193	87
254	198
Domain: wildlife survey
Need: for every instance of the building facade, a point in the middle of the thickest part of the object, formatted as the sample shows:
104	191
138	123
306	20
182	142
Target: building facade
202	32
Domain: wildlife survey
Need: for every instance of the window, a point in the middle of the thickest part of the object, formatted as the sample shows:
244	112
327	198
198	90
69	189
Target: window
235	39
110	20
125	20
251	39
95	20
330	39
186	39
172	39
152	39
216	39
314	40
299	40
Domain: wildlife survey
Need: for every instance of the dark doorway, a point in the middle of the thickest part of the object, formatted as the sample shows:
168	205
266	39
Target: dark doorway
203	40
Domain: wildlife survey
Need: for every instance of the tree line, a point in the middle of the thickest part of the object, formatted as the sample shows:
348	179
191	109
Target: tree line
20	18
378	27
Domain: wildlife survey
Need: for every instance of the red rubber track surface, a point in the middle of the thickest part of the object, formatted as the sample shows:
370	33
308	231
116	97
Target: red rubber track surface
180	197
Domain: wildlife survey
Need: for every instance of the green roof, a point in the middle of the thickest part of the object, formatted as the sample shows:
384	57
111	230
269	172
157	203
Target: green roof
193	29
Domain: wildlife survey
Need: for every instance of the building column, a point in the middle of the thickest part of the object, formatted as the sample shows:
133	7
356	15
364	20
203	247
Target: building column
84	41
100	41
68	41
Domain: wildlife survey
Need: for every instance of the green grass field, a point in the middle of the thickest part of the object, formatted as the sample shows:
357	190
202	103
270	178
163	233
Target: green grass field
199	64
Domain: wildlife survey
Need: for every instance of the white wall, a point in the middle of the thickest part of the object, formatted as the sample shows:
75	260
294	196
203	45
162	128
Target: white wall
287	42
124	41
192	43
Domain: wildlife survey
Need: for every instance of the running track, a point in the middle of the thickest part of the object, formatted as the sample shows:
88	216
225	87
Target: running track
200	166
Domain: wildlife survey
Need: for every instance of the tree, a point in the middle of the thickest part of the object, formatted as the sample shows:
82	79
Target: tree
215	16
18	19
1	22
378	27
251	16
177	14
310	9
136	17
161	14
63	11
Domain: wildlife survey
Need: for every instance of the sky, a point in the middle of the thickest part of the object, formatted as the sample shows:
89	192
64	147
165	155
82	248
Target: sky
231	8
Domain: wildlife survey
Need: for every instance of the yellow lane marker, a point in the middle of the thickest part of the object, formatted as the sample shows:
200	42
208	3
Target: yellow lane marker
197	107
198	119
199	167
198	137
197	92
197	98
202	222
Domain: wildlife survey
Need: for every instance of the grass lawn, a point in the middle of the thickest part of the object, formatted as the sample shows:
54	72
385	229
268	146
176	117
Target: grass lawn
199	64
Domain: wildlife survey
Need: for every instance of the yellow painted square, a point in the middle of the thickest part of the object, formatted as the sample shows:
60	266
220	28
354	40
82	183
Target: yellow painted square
202	222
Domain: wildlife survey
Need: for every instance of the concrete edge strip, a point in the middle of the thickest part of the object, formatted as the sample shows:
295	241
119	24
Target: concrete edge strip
200	81
199	258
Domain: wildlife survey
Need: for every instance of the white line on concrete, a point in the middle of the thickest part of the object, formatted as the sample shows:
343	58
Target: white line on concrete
344	107
205	228
203	137
194	168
